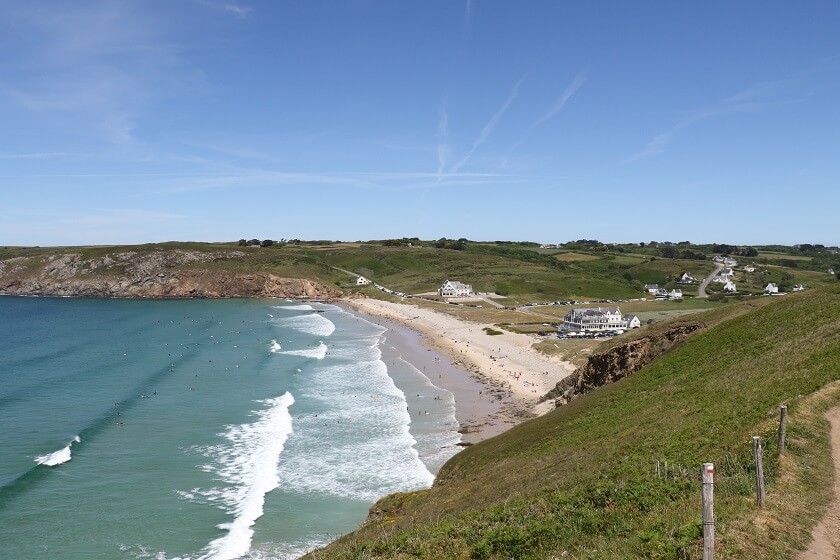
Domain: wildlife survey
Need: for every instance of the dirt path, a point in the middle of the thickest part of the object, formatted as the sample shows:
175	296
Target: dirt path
826	543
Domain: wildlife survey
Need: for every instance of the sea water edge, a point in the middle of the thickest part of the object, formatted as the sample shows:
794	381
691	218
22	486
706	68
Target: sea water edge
255	479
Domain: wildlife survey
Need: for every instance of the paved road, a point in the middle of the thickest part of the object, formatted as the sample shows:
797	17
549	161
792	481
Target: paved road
701	291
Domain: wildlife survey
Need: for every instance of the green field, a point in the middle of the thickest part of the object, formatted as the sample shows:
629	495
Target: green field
520	271
580	481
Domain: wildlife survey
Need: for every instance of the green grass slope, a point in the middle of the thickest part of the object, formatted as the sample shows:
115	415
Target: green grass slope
580	483
522	274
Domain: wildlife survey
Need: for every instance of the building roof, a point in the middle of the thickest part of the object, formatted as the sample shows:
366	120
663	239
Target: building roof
595	311
454	284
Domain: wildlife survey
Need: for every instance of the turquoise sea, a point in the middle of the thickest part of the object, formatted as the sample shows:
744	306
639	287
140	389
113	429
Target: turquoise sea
198	429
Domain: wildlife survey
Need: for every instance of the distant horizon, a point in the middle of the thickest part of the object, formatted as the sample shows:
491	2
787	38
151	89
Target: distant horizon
330	240
126	122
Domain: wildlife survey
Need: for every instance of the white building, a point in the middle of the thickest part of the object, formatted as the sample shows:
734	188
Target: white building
362	281
771	288
728	261
594	319
798	288
633	322
675	294
724	276
651	288
452	288
730	287
660	293
687	278
749	268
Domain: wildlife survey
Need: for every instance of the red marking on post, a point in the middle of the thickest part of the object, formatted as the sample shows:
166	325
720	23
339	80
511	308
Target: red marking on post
710	470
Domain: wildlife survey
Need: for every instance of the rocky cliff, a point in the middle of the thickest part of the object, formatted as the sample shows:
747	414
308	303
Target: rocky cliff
159	274
617	362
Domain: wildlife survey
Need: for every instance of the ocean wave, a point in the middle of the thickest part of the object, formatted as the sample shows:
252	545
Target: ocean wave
360	447
310	323
57	457
300	307
318	353
247	464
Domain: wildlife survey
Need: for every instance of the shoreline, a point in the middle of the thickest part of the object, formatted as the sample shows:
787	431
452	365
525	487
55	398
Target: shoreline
479	407
510	375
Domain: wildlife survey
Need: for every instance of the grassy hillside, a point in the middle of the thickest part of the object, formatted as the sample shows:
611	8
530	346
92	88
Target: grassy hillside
522	272
579	482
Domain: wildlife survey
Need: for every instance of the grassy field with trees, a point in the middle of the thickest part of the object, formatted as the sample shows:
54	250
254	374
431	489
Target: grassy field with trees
524	272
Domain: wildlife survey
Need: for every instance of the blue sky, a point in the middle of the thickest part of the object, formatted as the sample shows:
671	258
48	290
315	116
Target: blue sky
544	120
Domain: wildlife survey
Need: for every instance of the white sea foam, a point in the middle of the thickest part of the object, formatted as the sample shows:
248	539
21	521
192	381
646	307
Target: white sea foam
310	323
57	457
301	307
275	346
247	465
360	447
319	353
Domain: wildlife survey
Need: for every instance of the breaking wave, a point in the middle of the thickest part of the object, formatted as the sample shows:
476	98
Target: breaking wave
319	353
57	457
247	464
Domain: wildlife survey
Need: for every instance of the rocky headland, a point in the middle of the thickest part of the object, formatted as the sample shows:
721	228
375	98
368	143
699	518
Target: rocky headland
158	274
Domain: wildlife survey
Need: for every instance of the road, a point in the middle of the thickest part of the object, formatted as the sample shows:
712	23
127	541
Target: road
701	291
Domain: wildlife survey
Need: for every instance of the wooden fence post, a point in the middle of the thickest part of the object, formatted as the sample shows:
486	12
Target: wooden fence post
708	511
759	471
782	427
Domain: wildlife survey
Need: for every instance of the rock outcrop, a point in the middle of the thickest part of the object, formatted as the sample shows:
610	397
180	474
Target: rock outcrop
617	362
160	274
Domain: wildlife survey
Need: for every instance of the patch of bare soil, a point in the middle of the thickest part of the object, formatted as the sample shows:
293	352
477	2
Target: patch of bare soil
826	535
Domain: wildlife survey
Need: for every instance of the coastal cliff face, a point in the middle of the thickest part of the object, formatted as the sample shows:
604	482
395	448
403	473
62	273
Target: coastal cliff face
617	362
160	274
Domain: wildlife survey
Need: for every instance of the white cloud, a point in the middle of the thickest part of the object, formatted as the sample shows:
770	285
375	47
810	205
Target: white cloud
744	101
555	108
443	131
488	128
238	10
656	146
101	65
558	105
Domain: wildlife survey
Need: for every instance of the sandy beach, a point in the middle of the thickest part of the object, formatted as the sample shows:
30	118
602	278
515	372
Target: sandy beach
505	375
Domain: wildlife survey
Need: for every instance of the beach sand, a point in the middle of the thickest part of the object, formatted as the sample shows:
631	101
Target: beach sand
497	380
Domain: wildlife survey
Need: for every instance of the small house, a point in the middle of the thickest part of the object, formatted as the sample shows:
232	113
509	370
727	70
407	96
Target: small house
633	322
651	288
771	288
675	294
453	288
362	281
798	288
749	268
730	287
686	278
660	293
